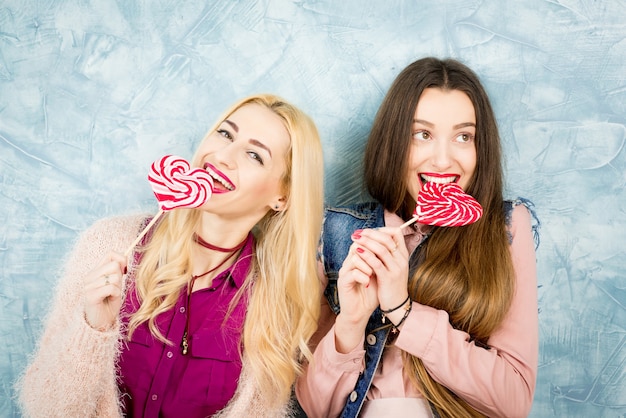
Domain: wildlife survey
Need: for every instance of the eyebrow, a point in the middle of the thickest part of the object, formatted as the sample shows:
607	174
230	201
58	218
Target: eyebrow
457	126
253	141
233	125
260	145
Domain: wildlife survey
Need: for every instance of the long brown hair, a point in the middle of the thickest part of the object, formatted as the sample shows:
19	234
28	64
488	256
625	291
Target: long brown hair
466	271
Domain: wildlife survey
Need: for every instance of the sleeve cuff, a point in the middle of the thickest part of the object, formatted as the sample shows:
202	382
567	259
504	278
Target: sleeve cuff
348	362
417	332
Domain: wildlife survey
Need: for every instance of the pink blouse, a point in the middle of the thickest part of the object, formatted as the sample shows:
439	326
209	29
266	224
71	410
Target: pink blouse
499	381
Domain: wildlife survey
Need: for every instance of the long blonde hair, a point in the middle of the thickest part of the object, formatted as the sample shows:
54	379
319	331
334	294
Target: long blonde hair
283	306
466	271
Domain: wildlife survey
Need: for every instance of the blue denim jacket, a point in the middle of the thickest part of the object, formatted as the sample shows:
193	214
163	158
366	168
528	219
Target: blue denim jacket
339	224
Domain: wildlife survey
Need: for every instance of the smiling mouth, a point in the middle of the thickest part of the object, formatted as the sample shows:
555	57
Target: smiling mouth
438	178
222	183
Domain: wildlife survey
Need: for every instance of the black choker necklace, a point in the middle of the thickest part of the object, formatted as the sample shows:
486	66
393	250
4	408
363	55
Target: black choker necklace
198	239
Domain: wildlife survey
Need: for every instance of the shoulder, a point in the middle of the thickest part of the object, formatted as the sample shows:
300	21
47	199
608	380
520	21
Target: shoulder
520	214
118	223
117	231
339	223
366	213
355	209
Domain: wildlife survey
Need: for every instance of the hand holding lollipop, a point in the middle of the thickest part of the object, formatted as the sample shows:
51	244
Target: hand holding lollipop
175	185
445	205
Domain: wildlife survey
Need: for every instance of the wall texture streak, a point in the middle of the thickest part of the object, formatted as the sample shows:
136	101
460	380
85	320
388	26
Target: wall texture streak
92	91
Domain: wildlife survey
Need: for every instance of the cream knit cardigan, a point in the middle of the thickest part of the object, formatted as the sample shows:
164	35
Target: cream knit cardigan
73	371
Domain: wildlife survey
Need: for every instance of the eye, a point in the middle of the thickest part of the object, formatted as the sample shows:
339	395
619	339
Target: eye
464	138
256	157
225	133
422	135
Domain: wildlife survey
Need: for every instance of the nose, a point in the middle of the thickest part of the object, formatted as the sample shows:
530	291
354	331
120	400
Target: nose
225	156
442	155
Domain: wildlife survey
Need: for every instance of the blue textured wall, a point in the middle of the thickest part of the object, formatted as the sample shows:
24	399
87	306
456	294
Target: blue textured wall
92	91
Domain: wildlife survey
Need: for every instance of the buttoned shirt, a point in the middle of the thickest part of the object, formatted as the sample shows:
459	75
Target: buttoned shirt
157	380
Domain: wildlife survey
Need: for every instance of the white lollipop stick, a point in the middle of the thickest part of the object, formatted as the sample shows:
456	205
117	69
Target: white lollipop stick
141	235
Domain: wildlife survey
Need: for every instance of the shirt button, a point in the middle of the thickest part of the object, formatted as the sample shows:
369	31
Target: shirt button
170	354
182	309
353	396
155	397
371	339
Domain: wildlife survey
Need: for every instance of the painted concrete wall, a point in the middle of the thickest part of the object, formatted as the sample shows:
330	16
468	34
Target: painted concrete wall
92	91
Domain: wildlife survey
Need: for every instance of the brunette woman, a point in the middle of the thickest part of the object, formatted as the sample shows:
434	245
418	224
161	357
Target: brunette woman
427	321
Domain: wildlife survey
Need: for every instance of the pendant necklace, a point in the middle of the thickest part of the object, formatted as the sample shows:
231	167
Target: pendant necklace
232	251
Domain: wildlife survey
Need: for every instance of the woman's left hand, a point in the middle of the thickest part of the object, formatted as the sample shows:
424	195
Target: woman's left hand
386	253
103	292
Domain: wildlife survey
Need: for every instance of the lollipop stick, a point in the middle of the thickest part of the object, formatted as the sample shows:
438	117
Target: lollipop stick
409	222
146	229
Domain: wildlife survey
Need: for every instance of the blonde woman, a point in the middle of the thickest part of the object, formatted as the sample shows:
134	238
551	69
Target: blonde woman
213	312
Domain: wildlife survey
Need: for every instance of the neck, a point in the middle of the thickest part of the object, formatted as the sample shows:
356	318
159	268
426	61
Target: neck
208	255
200	241
221	232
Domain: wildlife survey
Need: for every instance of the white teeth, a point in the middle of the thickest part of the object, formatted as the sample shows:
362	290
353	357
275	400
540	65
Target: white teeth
219	179
439	180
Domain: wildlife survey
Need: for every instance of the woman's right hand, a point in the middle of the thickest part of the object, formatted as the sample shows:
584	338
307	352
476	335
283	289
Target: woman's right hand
357	289
103	292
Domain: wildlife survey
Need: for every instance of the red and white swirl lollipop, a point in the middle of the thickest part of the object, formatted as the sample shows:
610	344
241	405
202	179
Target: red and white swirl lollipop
176	185
445	205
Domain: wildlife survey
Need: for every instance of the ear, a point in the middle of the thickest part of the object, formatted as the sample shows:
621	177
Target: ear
279	205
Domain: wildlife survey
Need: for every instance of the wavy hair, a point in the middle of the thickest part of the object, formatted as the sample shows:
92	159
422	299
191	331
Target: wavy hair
282	286
466	271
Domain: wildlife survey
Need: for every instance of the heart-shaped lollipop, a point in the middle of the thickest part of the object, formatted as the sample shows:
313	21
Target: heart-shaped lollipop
445	205
175	185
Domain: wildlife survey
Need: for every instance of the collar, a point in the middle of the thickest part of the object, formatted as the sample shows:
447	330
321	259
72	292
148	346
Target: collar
414	234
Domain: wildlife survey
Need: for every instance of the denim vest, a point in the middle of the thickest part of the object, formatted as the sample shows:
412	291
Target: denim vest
339	223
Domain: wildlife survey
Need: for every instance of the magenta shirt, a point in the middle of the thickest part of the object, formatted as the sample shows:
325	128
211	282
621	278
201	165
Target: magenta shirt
157	380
